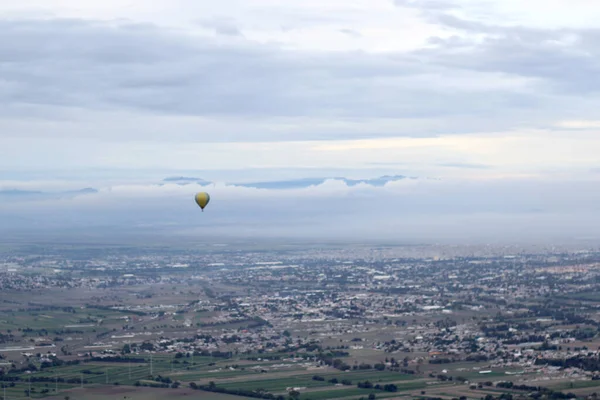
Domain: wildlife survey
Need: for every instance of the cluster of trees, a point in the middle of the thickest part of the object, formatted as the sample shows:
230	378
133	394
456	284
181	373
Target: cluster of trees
257	394
311	347
6	338
547	394
567	317
538	391
585	363
371	397
338	364
477	358
214	354
118	359
368	385
253	322
37	307
442	377
33	390
441	361
88	372
273	357
111	309
334	381
327	359
57	362
511	385
32	368
167	381
42	379
155	385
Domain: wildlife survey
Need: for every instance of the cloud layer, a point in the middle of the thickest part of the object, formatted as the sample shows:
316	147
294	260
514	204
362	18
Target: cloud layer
403	210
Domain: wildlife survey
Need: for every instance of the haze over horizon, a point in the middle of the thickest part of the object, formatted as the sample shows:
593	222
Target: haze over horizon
279	108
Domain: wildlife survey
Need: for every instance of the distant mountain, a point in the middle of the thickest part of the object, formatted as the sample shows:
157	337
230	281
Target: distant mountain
307	182
82	191
381	181
288	184
184	180
17	194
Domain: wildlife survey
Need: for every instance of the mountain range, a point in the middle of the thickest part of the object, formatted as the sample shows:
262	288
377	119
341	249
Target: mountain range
293	183
20	195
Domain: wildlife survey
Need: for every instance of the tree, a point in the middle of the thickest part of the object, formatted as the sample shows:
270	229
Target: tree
379	366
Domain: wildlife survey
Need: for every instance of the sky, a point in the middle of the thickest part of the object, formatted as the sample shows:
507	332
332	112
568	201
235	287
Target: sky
491	105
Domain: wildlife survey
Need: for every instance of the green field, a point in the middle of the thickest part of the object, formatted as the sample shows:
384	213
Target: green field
111	393
121	375
566	386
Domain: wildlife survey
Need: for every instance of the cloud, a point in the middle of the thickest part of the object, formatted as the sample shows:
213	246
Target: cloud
351	32
430	210
579	124
222	26
145	69
563	58
436	5
465	165
19	195
122	81
298	92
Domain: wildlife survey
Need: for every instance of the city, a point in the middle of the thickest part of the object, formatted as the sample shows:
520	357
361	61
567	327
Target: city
310	323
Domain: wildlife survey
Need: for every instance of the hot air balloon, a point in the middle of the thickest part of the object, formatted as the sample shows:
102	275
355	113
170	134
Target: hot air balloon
202	199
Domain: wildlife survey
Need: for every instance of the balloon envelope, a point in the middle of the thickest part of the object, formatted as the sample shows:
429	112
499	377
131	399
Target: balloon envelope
202	199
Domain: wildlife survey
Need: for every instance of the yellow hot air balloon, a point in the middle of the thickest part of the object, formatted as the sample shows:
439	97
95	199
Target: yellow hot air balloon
202	199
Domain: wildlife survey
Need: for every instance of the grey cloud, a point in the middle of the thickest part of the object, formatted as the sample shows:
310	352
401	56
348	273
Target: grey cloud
563	70
20	196
228	30
351	32
65	70
427	4
521	51
222	26
141	67
516	50
462	24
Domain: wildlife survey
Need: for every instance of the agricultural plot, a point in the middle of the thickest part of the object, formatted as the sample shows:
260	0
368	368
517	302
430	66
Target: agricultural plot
137	393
